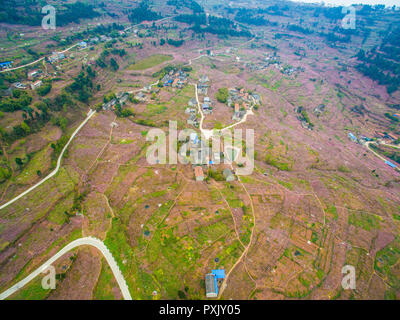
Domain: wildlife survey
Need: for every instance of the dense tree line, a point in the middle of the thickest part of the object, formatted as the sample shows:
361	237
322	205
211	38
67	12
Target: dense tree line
383	64
19	100
29	12
143	13
300	29
222	95
35	120
175	43
190	4
217	25
249	16
82	86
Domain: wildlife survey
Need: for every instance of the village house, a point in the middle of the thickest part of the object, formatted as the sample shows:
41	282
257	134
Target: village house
202	87
352	137
56	56
211	286
217	157
228	174
19	85
175	79
122	97
192	119
82	44
199	154
94	40
212	282
33	74
207	109
36	84
190	110
6	65
109	105
192	102
141	96
104	38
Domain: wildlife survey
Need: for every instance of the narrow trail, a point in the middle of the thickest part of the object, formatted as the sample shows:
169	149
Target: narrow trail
209	134
244	253
96	242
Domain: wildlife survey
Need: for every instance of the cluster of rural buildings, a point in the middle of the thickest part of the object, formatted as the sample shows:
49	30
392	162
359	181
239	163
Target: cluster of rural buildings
55	57
199	155
191	110
6	65
202	86
34	78
101	38
214	280
175	79
273	60
120	98
380	137
241	101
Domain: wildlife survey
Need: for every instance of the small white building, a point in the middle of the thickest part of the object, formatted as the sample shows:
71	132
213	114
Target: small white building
36	84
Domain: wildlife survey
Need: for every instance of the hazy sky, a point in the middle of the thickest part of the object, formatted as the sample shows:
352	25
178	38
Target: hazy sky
349	2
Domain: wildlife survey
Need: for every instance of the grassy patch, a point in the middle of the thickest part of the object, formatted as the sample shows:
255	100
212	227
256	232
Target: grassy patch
332	211
150	62
287	185
32	291
283	166
126	141
103	289
155	109
386	260
364	220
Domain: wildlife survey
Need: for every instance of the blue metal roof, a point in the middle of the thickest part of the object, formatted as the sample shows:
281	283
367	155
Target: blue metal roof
219	273
391	164
352	136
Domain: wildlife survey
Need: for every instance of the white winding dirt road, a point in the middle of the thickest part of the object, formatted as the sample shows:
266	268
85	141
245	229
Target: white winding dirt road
377	154
36	61
89	241
54	172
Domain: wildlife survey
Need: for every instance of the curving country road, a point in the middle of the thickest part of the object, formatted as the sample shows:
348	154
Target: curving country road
36	61
209	133
90	241
89	115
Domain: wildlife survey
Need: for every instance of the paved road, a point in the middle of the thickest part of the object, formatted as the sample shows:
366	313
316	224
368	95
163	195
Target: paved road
373	151
209	133
135	25
90	241
377	154
90	114
36	61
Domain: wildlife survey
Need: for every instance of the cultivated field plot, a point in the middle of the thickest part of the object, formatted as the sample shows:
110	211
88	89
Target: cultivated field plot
324	191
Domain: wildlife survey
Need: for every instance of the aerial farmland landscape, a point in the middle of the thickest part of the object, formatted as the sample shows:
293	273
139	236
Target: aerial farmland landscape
199	150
